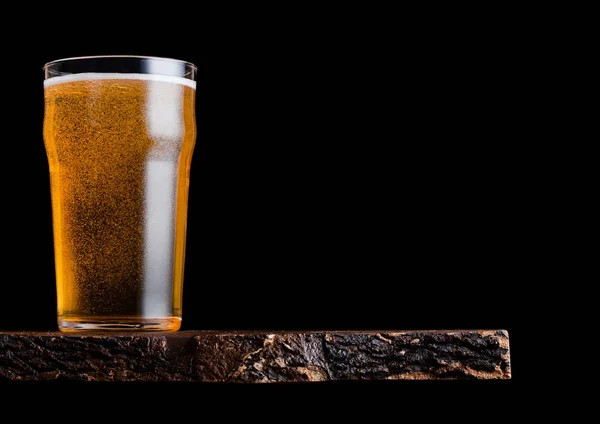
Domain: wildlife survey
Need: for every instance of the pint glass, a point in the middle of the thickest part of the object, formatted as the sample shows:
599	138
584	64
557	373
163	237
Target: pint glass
119	132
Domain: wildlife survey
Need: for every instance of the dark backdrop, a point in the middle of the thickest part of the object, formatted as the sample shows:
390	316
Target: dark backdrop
349	173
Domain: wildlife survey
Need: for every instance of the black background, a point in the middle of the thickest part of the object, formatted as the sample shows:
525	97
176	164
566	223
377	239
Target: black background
353	170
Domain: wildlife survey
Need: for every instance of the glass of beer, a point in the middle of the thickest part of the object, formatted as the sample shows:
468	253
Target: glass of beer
119	132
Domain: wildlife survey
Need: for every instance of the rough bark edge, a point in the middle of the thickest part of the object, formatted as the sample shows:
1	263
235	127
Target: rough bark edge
257	357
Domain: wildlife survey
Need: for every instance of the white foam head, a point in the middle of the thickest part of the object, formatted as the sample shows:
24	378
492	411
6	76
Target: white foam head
89	76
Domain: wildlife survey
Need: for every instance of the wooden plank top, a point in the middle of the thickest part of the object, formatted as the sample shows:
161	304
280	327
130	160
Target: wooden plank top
255	356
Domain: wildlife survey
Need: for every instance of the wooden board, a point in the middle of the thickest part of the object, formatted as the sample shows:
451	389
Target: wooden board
256	357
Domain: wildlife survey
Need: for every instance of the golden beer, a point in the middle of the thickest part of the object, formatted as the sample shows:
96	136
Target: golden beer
119	148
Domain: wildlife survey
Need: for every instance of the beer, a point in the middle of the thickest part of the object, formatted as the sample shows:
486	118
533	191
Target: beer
119	149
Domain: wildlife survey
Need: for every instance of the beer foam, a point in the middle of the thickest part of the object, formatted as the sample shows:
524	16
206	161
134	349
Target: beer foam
90	76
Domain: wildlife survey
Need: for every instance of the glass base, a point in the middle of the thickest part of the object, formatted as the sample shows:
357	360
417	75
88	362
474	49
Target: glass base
81	324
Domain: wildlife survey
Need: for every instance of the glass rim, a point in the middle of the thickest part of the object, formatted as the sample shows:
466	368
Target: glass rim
121	56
